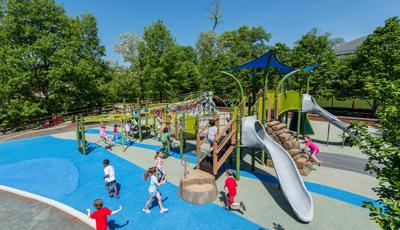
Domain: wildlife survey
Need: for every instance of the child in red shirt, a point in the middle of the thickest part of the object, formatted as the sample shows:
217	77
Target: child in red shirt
100	215
230	184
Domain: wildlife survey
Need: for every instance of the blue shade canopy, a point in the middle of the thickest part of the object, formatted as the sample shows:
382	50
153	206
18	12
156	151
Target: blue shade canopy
311	67
261	62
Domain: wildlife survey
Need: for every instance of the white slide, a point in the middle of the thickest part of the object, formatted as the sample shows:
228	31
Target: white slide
254	135
309	104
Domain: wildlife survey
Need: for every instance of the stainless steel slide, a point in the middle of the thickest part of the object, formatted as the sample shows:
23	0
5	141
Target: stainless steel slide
254	135
309	105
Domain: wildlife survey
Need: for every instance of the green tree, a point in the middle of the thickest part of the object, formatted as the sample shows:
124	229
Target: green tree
223	52
48	62
157	41
377	62
314	48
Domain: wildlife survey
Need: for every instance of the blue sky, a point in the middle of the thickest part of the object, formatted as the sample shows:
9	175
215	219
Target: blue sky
286	20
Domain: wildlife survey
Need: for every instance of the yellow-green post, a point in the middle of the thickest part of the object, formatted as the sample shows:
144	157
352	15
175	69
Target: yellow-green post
155	127
181	129
237	117
123	133
78	136
139	119
165	115
83	137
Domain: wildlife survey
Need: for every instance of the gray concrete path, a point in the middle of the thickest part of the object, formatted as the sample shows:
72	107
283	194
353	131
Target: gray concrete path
21	213
343	162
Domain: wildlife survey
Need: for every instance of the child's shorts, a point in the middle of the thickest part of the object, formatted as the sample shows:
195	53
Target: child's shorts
153	194
316	151
112	183
231	197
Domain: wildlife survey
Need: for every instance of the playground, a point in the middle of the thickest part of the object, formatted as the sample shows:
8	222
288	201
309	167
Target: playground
199	115
280	184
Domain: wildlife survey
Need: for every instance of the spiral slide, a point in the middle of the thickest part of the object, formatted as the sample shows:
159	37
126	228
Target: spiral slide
254	135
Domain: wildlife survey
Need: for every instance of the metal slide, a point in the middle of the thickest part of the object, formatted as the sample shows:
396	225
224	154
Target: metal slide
254	135
310	105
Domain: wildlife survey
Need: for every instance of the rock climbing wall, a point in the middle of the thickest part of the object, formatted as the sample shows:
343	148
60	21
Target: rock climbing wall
281	134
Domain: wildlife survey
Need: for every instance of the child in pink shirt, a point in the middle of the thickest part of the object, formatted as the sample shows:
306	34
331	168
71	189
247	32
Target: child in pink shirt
159	164
314	150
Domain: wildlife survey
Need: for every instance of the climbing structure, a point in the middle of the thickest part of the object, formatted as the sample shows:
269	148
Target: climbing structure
281	134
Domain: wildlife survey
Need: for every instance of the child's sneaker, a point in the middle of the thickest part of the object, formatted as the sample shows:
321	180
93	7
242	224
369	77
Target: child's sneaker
164	210
111	195
242	206
117	196
146	210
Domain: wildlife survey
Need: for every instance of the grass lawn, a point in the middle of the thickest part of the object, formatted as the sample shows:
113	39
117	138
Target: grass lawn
358	103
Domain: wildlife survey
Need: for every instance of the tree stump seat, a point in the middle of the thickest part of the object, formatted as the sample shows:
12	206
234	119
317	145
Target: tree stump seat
198	187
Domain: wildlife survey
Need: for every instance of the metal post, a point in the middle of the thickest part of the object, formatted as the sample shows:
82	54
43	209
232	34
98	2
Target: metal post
327	136
343	139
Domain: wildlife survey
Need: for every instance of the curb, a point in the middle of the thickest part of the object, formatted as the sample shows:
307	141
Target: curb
65	208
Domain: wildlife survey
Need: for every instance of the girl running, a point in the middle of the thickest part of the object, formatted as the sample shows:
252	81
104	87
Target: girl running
153	190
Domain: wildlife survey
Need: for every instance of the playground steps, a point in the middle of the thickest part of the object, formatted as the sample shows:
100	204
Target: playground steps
281	134
206	164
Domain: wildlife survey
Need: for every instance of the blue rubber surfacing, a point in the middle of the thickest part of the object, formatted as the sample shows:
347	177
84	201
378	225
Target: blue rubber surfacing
53	168
334	193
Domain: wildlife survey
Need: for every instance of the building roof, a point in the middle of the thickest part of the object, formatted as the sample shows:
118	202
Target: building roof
349	47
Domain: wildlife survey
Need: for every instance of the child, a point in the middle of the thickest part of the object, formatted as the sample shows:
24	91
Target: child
115	131
127	129
159	164
153	190
159	121
109	177
166	141
230	185
314	150
100	215
211	133
103	134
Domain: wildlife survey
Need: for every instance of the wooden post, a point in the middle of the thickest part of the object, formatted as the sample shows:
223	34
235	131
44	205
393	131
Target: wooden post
215	158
